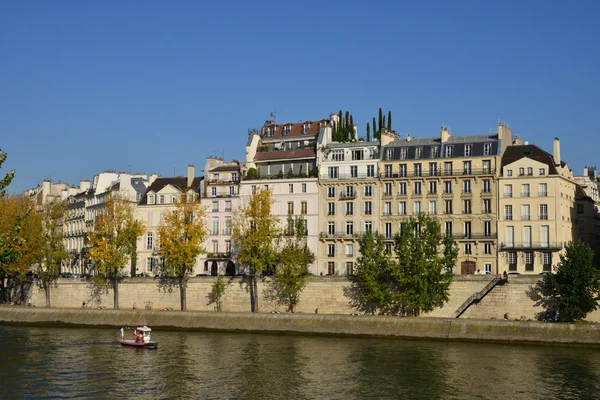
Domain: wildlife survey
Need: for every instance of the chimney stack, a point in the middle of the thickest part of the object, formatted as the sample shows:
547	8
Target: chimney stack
556	151
84	185
517	141
190	175
152	178
444	134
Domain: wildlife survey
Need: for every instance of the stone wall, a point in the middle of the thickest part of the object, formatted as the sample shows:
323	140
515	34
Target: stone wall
327	294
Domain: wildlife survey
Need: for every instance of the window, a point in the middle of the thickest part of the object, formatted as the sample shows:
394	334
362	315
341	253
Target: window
467	207
521	171
253	189
368	191
337	155
150	264
304	208
448	168
487	186
487	249
467	167
368	226
447	186
389	154
525	190
149	241
417	169
545	235
543	189
331	250
527	236
417	189
388	189
403	170
528	261
370	171
388	171
349	268
368	208
468	150
432	169
434	151
467	232
213	191
350	191
403	153
215	227
468	248
232	190
354	171
487	228
150	199
544	211
331	191
432	187
417	207
467	186
487	166
228	205
388	248
512	261
402	188
448	151
402	208
215	206
448	206
507	190
509	172
349	208
388	230
330	268
419	152
547	261
227	226
333	172
331	228
290	208
542	171
525	216
510	236
291	188
266	187
508	212
350	228
387	208
448	227
349	250
487	206
432	207
161	199
330	208
487	268
529	171
358	155
487	149
215	246
304	188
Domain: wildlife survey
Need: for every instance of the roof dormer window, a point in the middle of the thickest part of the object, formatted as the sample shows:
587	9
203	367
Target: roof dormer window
448	151
468	150
151	199
305	128
286	130
271	131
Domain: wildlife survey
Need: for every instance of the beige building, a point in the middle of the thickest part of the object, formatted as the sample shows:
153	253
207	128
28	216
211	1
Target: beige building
452	177
537	209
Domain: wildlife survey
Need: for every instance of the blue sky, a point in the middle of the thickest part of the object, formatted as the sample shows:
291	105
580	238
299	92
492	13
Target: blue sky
153	86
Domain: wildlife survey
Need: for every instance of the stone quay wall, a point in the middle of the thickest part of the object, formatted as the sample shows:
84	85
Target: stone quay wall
328	295
352	325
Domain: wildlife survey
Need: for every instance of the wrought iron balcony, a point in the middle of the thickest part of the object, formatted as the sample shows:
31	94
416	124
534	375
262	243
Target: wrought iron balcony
475	236
531	246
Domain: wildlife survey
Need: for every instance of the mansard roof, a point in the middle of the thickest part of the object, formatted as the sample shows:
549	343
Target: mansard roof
517	152
392	151
180	182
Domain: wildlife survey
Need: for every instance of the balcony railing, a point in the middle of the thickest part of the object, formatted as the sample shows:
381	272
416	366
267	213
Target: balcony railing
225	255
531	246
344	177
223	181
387	194
420	174
347	196
478	236
340	235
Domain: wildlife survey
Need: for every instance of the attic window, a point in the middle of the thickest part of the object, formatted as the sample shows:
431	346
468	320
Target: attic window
271	131
305	128
527	153
150	199
286	130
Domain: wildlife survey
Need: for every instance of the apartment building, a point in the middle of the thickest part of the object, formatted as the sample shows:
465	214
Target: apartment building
452	177
537	208
348	198
160	198
220	196
283	159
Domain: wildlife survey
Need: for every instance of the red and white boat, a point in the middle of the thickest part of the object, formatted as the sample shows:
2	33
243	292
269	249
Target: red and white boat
141	338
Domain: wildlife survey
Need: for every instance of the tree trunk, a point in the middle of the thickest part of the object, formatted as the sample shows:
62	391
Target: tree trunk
182	293
253	305
47	291
116	291
133	271
255	293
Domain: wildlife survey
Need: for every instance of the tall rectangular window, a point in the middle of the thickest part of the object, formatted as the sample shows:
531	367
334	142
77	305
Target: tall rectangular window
525	216
487	206
487	228
432	169
333	172
467	167
402	188
417	188
387	208
304	188
370	171
448	168
368	191
388	171
527	236
467	232
544	211
508	212
487	185
149	241
290	208
403	170
417	169
354	171
330	208
331	191
432	187
468	150
448	207
402	208
432	207
349	208
529	261
507	190
388	230
304	207
448	187
543	189
368	208
487	149
417	207
545	235
291	188
467	186
510	236
525	190
448	227
467	207
448	151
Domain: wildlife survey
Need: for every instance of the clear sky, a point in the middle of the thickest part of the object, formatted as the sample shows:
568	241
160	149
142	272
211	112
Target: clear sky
151	86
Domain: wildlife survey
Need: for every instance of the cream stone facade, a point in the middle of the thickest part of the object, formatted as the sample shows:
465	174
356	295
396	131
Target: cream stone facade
452	177
349	200
537	209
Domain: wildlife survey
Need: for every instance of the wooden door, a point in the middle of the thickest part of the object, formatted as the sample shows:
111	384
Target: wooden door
467	267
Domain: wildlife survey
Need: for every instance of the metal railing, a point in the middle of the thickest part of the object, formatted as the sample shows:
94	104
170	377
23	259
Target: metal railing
442	173
477	297
531	246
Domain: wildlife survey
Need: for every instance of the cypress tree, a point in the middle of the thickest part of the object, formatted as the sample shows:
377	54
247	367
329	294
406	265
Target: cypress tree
389	121
368	132
347	118
340	115
383	122
380	119
375	129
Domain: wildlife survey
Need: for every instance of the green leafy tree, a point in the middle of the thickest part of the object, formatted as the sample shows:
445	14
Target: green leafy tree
180	240
51	251
420	272
291	274
4	182
571	291
256	233
252	174
218	290
368	133
371	285
389	121
110	241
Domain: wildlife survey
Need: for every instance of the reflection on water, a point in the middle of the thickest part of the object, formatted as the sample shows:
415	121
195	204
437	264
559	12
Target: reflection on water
89	363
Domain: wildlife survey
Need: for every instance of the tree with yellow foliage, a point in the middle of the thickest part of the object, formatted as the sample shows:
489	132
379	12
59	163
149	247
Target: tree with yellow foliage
110	242
180	238
256	233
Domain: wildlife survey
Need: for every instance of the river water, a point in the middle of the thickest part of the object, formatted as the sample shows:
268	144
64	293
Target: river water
89	363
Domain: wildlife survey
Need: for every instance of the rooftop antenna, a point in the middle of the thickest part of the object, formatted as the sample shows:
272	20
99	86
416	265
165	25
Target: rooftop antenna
129	165
273	114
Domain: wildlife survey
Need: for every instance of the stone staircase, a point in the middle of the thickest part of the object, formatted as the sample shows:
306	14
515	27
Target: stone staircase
478	296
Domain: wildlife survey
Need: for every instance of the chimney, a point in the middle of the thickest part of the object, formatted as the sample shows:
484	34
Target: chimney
556	151
504	135
84	185
334	118
387	137
527	143
408	138
152	178
190	176
444	134
517	141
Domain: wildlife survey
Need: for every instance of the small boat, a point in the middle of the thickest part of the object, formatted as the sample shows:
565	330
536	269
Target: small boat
141	338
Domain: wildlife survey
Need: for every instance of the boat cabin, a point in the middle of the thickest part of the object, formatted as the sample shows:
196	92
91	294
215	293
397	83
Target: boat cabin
144	332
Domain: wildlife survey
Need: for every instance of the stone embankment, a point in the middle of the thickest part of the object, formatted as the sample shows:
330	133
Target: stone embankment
352	325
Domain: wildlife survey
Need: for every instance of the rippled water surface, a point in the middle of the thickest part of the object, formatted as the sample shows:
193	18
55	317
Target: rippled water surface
89	363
